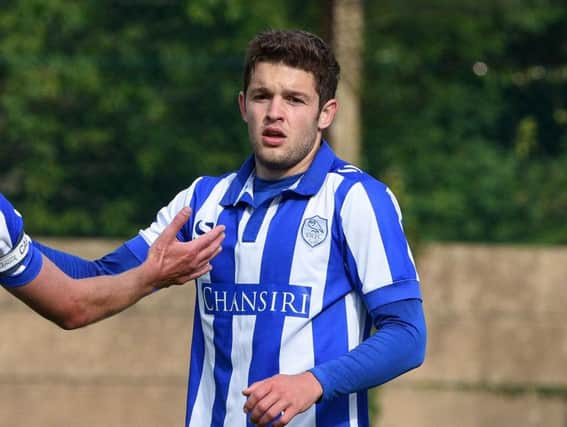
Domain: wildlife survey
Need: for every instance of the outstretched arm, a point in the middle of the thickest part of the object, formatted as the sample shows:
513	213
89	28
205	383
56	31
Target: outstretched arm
72	303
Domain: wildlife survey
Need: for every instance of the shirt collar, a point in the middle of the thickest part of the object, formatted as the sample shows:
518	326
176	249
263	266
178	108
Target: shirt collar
241	188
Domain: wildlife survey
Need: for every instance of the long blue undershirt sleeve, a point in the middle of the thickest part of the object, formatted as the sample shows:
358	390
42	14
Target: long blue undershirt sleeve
397	347
121	259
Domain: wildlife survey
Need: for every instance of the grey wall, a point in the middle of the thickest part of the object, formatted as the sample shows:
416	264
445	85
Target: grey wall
497	350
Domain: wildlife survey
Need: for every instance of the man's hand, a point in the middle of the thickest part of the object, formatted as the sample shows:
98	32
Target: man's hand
171	262
281	398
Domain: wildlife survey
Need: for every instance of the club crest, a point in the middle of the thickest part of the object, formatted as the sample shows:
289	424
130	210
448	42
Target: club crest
314	230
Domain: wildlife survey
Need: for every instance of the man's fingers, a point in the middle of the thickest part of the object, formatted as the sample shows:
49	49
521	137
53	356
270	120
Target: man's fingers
275	412
170	232
266	409
212	250
286	416
211	235
209	245
248	391
254	393
204	270
184	278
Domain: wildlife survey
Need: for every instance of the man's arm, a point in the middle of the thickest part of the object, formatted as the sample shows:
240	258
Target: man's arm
72	303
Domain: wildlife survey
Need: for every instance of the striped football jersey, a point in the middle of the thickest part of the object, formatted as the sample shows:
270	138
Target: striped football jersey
293	285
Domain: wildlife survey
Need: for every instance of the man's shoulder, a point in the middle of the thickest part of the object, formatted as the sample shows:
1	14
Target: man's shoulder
352	175
214	179
203	186
210	181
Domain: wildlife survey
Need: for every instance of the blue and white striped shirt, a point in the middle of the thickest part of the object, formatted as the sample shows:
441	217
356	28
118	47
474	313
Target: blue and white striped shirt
293	286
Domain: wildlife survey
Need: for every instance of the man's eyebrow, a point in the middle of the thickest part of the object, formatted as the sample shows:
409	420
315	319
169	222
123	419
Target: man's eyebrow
263	90
256	89
296	93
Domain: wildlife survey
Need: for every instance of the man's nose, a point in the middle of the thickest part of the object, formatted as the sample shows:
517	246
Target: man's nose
275	109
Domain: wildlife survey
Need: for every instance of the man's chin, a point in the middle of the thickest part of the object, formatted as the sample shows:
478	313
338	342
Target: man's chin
275	164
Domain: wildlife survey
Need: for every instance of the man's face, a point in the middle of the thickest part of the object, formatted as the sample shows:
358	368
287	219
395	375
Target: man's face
281	108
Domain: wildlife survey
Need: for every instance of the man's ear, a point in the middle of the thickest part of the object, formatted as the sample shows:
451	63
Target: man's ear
327	114
242	105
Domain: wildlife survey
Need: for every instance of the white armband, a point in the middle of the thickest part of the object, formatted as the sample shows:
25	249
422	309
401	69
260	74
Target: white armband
16	255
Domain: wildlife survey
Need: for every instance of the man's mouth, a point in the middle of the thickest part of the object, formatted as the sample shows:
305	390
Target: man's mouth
273	136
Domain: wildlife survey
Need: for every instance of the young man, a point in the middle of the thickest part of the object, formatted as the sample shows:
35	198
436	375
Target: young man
74	303
314	255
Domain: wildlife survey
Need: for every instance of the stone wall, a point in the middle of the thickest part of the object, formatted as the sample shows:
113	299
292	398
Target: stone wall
497	347
497	350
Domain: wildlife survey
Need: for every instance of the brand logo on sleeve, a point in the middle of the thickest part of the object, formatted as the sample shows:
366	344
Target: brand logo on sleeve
314	230
349	169
13	258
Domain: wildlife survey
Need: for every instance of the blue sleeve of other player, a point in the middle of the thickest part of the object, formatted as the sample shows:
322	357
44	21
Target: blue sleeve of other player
129	255
20	262
31	264
397	347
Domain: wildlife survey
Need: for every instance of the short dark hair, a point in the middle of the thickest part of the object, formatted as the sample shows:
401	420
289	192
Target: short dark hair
297	49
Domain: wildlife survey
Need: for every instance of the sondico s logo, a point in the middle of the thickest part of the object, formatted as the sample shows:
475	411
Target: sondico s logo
203	227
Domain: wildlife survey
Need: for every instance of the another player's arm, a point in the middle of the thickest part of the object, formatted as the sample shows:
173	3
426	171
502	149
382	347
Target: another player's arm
72	303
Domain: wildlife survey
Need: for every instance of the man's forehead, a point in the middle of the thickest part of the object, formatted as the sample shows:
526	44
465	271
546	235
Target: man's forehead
266	74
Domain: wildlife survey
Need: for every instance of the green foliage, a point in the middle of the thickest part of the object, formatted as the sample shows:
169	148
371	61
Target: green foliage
109	107
466	102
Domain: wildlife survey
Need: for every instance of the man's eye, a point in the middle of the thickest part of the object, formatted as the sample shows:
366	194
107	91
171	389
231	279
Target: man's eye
296	100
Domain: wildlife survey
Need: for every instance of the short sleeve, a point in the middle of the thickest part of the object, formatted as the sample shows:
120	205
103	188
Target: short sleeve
378	256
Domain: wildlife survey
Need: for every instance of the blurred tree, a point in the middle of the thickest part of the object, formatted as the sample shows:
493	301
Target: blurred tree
464	113
346	35
109	107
